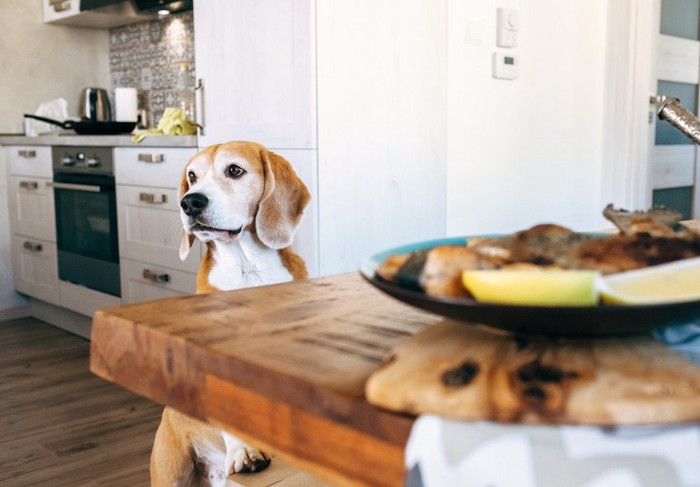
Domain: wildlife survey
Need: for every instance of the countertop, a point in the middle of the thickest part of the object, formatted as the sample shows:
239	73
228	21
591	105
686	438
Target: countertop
70	138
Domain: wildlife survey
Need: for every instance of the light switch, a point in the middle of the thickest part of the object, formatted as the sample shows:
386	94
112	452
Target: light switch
505	65
508	24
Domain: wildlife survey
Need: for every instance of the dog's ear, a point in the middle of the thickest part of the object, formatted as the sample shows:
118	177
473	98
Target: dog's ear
186	239
282	204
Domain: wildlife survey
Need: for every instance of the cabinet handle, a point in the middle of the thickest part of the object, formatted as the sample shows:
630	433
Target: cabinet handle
153	198
199	105
29	185
60	5
151	157
28	154
32	246
155	276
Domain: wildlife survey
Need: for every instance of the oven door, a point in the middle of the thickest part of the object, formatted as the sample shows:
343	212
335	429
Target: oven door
86	231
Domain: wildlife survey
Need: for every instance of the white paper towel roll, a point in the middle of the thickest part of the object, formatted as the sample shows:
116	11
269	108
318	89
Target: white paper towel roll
126	104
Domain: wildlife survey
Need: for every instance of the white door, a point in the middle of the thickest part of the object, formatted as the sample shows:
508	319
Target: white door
673	158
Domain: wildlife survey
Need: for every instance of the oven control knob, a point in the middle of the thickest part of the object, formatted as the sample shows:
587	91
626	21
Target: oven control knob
93	162
67	161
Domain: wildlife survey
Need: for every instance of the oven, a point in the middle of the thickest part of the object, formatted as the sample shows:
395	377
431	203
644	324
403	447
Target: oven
86	217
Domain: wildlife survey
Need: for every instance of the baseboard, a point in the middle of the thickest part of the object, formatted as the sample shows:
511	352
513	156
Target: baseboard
63	318
15	313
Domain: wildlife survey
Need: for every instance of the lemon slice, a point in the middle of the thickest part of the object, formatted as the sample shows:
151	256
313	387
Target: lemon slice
665	283
536	287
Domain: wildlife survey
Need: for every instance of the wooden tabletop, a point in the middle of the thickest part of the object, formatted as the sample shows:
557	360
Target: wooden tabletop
282	366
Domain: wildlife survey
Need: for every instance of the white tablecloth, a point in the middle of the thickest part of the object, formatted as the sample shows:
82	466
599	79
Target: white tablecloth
443	452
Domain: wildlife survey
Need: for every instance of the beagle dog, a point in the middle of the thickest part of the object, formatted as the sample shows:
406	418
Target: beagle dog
245	203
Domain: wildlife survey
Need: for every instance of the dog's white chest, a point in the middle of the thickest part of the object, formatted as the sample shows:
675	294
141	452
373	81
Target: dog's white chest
244	264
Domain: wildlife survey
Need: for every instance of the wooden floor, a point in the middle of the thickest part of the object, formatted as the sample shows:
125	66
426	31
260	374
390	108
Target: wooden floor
62	426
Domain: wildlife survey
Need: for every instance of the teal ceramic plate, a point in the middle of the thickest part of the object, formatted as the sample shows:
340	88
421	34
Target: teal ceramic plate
589	321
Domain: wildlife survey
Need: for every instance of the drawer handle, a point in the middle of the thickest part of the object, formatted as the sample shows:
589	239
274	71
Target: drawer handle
156	199
60	5
28	154
155	276
29	185
151	157
32	246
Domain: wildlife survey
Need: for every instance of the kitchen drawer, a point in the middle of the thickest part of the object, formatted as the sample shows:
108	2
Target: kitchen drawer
35	268
31	204
146	282
29	160
151	166
150	228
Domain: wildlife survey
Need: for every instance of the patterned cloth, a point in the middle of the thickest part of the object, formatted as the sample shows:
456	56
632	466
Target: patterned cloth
443	452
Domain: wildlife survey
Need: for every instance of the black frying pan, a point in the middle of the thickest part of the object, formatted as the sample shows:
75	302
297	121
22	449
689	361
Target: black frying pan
89	127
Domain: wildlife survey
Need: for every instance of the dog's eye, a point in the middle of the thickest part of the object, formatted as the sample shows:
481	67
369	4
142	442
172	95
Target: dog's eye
235	171
192	177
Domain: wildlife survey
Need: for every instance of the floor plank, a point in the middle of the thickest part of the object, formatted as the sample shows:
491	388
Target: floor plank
62	426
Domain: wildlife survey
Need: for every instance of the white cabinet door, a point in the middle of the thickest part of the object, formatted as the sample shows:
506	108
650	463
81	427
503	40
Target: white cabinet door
150	227
145	282
28	160
255	59
160	167
31	204
35	268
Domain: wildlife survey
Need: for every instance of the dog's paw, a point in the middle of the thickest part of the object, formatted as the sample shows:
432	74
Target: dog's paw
245	458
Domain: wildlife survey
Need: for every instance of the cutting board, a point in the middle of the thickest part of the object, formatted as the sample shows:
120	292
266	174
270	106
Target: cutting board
463	371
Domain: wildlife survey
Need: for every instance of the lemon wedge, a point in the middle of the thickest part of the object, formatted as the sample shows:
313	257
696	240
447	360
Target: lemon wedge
535	287
664	283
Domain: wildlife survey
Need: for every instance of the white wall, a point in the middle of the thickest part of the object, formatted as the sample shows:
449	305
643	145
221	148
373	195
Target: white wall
40	62
381	126
529	150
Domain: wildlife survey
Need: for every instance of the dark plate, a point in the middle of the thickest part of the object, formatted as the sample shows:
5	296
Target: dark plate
577	321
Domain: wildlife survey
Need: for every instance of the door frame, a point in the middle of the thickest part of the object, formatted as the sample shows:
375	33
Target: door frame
629	82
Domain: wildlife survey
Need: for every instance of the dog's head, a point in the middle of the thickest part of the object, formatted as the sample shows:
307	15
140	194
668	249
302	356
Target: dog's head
232	188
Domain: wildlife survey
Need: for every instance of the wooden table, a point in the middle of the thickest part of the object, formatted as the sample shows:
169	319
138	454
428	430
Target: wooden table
283	366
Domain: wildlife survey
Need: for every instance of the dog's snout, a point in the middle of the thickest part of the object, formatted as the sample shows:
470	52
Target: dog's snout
193	204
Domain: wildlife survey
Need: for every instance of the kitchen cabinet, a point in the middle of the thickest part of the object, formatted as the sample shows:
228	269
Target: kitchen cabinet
261	87
148	217
144	282
32	220
255	60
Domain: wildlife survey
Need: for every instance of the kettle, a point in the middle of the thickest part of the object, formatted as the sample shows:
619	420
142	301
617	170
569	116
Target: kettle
94	105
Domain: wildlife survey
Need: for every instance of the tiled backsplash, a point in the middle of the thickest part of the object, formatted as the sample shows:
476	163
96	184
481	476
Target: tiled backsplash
147	56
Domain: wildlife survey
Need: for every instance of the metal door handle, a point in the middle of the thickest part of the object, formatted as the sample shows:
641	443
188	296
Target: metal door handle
151	157
32	246
75	187
153	198
29	185
155	276
199	105
29	154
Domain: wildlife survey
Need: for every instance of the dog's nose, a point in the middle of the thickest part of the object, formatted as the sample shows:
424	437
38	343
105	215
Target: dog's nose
193	204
